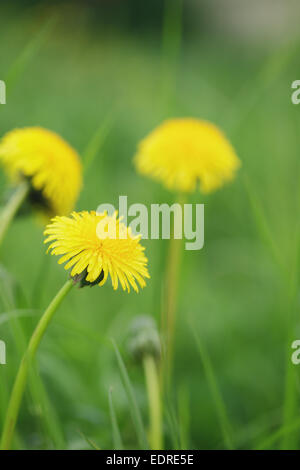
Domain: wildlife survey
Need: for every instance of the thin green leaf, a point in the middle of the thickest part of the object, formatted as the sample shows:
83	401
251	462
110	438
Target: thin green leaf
262	224
173	426
89	441
171	44
135	412
216	394
184	416
31	49
118	444
40	282
17	313
282	432
251	92
39	398
97	141
44	410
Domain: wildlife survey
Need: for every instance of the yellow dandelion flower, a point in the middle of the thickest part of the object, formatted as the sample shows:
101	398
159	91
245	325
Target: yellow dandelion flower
181	153
97	245
51	166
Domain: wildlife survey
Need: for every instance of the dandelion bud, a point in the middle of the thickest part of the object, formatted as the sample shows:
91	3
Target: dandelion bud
144	338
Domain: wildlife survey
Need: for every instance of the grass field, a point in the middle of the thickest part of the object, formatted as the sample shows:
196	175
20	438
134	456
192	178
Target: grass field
233	382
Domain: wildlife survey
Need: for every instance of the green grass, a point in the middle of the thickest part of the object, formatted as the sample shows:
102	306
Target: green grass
117	439
103	91
132	403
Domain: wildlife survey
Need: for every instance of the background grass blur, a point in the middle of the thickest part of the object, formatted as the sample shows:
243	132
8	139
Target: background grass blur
103	78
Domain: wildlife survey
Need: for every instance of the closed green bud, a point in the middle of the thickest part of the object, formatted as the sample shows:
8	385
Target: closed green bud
144	338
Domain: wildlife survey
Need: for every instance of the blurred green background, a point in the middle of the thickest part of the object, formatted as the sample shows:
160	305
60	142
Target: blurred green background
108	73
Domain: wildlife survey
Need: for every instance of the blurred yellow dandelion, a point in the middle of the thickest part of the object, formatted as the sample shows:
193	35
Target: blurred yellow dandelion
51	166
182	153
92	254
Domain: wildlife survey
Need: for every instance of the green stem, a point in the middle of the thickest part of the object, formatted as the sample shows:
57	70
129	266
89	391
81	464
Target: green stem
153	390
171	45
12	207
169	313
20	381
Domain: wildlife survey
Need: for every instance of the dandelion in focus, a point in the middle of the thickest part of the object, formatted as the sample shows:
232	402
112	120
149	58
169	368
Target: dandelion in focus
44	169
184	155
91	256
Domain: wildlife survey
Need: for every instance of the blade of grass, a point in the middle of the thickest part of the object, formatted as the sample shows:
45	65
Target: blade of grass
31	49
45	411
4	398
216	394
291	399
262	224
251	92
4	395
98	139
40	282
254	430
173	426
17	313
290	405
184	416
118	444
282	432
39	398
80	329
289	272
171	44
134	409
6	298
89	441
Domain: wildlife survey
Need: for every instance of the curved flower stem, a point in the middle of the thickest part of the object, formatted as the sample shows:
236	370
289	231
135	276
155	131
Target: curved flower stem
20	381
153	390
11	208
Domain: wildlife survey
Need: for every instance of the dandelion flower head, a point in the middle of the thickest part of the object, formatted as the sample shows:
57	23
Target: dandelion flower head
97	245
51	166
186	153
